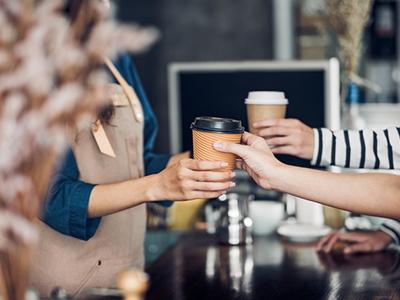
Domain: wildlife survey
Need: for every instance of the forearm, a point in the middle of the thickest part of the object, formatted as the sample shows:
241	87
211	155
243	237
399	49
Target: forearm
376	194
370	149
111	198
185	180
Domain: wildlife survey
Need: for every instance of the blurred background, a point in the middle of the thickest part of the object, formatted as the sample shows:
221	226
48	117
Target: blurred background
196	31
248	30
222	30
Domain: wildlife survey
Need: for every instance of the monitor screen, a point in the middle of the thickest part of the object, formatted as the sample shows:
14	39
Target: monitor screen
219	90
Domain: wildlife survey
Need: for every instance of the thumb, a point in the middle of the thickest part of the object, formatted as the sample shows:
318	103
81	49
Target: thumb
239	150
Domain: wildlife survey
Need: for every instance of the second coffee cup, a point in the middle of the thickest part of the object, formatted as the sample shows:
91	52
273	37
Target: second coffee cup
207	130
264	105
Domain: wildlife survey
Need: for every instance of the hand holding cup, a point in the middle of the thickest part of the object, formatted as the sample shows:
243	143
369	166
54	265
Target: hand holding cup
207	130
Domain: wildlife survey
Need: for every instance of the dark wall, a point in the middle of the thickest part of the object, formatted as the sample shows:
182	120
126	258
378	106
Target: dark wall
196	30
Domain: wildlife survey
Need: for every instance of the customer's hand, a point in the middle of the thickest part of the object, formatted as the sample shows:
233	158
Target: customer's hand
359	241
383	262
192	179
255	157
288	136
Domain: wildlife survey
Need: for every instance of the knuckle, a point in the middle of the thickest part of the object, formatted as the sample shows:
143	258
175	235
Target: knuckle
296	150
180	175
298	130
187	195
226	146
184	185
181	164
181	186
200	164
296	123
273	130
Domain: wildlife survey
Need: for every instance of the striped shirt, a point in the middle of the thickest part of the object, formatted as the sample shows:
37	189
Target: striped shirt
364	149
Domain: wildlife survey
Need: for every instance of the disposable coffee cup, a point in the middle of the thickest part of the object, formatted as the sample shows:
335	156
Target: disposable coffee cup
207	130
265	105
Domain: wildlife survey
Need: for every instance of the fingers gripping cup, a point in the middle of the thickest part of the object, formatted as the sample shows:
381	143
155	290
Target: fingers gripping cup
265	105
207	130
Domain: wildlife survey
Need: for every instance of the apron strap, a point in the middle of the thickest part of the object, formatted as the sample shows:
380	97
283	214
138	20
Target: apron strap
98	130
129	91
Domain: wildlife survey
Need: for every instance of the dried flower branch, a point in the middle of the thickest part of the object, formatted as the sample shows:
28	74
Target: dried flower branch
50	73
348	18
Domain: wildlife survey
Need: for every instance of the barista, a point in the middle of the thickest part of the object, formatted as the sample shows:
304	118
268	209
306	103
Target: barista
94	223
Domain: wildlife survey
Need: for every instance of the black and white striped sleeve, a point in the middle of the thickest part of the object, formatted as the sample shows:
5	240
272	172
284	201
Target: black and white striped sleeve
392	228
369	149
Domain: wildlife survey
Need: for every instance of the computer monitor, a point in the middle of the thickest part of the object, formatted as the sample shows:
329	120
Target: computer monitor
219	89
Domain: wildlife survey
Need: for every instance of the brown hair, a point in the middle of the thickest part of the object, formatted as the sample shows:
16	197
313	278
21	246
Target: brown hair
106	113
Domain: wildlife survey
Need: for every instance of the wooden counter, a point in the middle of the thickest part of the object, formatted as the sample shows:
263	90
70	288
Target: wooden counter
197	267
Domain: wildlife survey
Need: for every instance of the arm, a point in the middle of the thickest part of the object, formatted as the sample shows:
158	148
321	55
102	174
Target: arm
74	207
371	149
364	149
373	194
185	180
67	201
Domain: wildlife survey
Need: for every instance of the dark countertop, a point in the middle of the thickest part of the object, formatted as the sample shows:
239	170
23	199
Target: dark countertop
197	267
157	242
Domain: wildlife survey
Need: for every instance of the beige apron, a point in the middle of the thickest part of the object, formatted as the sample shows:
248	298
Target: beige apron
73	264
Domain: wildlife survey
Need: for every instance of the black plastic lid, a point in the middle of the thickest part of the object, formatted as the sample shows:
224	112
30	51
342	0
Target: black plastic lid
217	125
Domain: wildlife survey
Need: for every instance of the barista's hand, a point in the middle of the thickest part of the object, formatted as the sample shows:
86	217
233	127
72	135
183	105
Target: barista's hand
256	158
289	136
192	179
359	241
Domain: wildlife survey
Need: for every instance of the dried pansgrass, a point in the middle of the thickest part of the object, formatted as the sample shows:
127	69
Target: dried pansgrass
50	73
348	18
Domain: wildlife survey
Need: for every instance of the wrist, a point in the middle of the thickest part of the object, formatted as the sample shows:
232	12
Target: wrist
150	191
275	182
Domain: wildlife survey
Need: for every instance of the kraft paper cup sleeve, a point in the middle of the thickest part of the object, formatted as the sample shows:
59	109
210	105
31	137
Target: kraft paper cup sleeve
259	112
204	149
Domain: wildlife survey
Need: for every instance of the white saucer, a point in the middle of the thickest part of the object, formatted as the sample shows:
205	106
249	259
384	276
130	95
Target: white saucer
303	232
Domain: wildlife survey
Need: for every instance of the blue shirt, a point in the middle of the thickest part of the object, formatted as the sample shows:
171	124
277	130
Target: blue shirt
68	198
